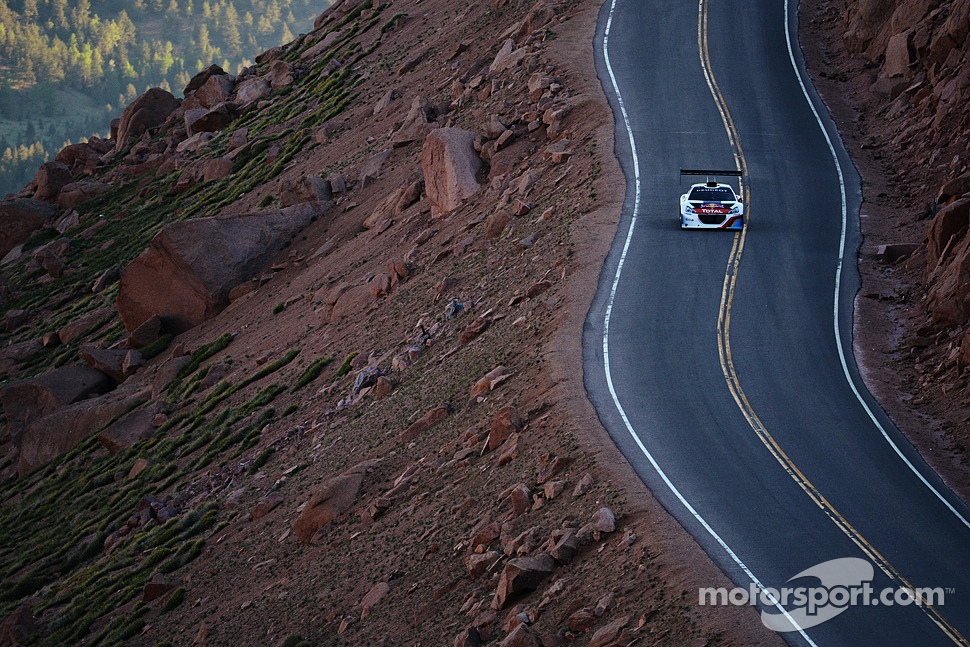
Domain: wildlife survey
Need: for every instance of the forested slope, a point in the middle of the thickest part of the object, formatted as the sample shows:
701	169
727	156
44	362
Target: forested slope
68	67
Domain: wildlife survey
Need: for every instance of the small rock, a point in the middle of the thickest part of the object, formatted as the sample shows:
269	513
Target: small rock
584	486
373	596
266	505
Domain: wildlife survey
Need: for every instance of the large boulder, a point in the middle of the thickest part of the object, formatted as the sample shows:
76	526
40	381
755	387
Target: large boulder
186	274
60	431
75	193
202	77
50	178
29	400
334	498
215	91
201	120
19	218
82	156
450	164
129	429
150	110
252	89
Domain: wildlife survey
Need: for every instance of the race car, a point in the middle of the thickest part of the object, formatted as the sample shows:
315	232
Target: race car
711	204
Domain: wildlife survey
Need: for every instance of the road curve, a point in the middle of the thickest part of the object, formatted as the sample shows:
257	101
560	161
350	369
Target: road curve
721	364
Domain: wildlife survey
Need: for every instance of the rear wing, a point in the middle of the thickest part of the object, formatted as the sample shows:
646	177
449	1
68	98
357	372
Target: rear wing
710	172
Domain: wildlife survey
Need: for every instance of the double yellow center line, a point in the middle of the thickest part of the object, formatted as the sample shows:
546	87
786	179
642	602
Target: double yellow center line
727	361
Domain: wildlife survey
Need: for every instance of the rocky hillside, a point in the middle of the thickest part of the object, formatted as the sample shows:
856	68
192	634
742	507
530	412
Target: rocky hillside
897	76
295	360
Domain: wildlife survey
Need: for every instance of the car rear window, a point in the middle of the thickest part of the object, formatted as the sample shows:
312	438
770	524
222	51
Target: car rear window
712	193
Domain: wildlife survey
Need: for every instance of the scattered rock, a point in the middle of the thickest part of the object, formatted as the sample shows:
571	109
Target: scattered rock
520	575
450	164
373	596
334	498
266	505
424	423
504	424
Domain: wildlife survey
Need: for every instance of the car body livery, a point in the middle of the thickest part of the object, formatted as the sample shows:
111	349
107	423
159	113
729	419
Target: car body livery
711	204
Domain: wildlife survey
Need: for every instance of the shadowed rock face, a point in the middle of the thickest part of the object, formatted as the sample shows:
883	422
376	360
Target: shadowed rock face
19	218
184	278
147	111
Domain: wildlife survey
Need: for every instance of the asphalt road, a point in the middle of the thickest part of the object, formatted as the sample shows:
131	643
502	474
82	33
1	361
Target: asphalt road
721	363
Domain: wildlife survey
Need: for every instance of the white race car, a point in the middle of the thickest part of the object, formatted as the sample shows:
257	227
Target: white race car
711	204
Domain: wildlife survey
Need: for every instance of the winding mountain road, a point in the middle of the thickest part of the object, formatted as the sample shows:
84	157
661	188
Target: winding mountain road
721	363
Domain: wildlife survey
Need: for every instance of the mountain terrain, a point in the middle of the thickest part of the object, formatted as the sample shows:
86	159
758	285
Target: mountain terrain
294	359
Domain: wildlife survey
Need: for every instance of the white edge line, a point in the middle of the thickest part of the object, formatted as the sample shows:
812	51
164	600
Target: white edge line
606	334
838	284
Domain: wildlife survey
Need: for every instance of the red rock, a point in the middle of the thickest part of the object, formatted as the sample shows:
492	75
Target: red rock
504	424
19	218
610	633
139	466
520	575
477	563
145	334
522	636
537	288
50	178
185	277
252	89
80	156
549	467
380	286
202	77
521	499
468	638
146	112
26	401
475	328
581	620
425	423
485	535
61	430
108	361
416	125
488	382
565	548
130	429
334	498
352	301
266	505
216	89
450	164
552	489
496	223
383	388
155	588
18	626
949	221
373	596
509	450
